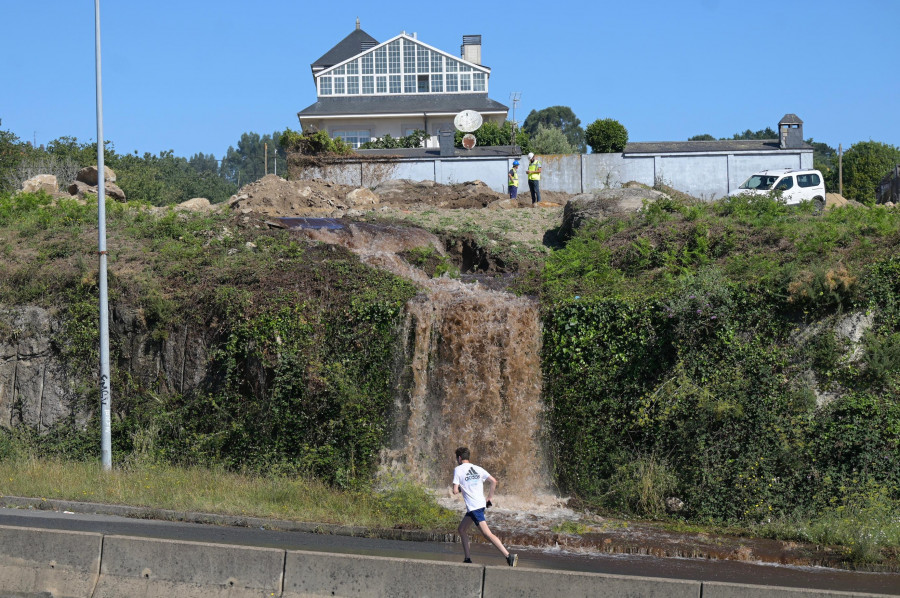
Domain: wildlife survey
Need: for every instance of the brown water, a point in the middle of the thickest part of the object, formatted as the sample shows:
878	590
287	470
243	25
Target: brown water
472	374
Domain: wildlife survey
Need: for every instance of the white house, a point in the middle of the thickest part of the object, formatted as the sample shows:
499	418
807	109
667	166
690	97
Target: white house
366	89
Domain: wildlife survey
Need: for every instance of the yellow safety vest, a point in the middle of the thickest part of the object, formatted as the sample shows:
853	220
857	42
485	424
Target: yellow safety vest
533	175
513	177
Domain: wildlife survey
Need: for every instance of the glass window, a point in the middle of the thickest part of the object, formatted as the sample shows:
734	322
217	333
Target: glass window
409	84
452	66
437	63
339	85
759	181
367	60
352	85
465	68
395	83
381	84
422	81
452	82
437	83
368	84
325	86
807	180
339	70
394	56
785	183
424	58
354	138
478	82
353	67
409	56
381	60
465	82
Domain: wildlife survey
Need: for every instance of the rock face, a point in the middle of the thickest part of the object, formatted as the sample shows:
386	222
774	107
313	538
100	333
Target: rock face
42	182
600	204
38	387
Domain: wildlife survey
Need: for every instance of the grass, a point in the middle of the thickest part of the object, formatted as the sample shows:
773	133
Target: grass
395	504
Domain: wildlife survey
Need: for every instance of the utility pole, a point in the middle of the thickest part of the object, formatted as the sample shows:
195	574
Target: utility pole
105	390
840	170
515	97
266	158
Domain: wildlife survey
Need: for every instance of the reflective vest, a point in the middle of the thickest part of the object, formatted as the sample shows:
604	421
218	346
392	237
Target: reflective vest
513	177
533	172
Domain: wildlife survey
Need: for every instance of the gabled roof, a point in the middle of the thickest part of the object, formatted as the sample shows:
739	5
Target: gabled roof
790	119
726	145
385	105
350	46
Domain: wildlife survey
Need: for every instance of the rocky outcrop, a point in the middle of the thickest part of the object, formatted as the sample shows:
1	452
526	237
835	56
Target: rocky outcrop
38	387
35	389
86	181
601	204
42	182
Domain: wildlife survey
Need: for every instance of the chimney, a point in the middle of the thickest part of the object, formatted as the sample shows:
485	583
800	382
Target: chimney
790	132
471	49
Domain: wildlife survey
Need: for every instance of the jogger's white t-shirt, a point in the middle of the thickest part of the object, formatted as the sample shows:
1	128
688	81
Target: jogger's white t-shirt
470	479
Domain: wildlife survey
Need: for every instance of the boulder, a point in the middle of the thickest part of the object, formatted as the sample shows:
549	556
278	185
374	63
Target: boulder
196	204
80	189
503	204
42	182
89	175
601	204
361	197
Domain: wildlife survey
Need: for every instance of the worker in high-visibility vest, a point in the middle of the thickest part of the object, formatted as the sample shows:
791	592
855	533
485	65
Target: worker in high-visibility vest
534	178
513	180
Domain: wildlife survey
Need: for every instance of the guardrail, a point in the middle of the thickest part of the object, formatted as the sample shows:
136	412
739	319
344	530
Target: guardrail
89	565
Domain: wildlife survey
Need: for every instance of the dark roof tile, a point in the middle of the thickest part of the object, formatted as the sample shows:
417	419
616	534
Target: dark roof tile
350	46
727	145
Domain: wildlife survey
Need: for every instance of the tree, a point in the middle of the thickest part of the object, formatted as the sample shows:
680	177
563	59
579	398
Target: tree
550	140
865	164
606	136
825	161
766	133
703	137
11	153
247	163
559	117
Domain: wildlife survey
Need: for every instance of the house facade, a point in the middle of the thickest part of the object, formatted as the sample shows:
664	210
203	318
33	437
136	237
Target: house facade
366	89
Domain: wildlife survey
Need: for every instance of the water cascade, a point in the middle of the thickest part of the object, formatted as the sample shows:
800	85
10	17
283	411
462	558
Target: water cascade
472	374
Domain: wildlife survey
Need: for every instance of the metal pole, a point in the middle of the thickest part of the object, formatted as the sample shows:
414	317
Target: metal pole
105	390
840	169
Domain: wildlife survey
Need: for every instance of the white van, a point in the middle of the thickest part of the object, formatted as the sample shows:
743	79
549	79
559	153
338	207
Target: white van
795	185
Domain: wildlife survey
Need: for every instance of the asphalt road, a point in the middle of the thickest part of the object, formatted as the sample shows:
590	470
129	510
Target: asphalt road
692	569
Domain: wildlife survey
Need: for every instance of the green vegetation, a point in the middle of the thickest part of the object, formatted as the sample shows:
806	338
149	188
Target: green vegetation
550	140
865	164
684	350
396	503
606	135
302	337
414	139
490	133
556	117
313	144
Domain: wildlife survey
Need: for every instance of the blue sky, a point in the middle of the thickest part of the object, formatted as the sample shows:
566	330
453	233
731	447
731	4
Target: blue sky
192	76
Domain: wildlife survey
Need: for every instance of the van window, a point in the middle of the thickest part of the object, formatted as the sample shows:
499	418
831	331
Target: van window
785	183
808	180
759	181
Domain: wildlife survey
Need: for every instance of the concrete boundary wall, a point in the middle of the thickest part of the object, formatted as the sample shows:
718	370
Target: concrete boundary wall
163	568
708	175
37	561
327	574
500	582
77	564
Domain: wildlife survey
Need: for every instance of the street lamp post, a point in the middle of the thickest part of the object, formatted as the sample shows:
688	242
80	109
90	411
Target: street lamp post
105	389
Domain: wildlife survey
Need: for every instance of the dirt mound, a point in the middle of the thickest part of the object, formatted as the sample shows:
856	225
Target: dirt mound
273	196
404	192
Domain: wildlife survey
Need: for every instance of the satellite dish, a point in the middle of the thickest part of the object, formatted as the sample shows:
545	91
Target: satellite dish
468	141
467	121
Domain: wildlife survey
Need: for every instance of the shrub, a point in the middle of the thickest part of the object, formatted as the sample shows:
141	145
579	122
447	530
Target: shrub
606	136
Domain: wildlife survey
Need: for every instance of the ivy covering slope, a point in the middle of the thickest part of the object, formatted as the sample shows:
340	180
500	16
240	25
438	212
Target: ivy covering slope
695	350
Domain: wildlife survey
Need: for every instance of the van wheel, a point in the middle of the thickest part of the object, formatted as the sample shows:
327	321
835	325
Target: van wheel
819	204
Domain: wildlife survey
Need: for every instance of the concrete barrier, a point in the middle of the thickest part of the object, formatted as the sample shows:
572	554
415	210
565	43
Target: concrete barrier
327	574
501	582
58	563
164	568
738	590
